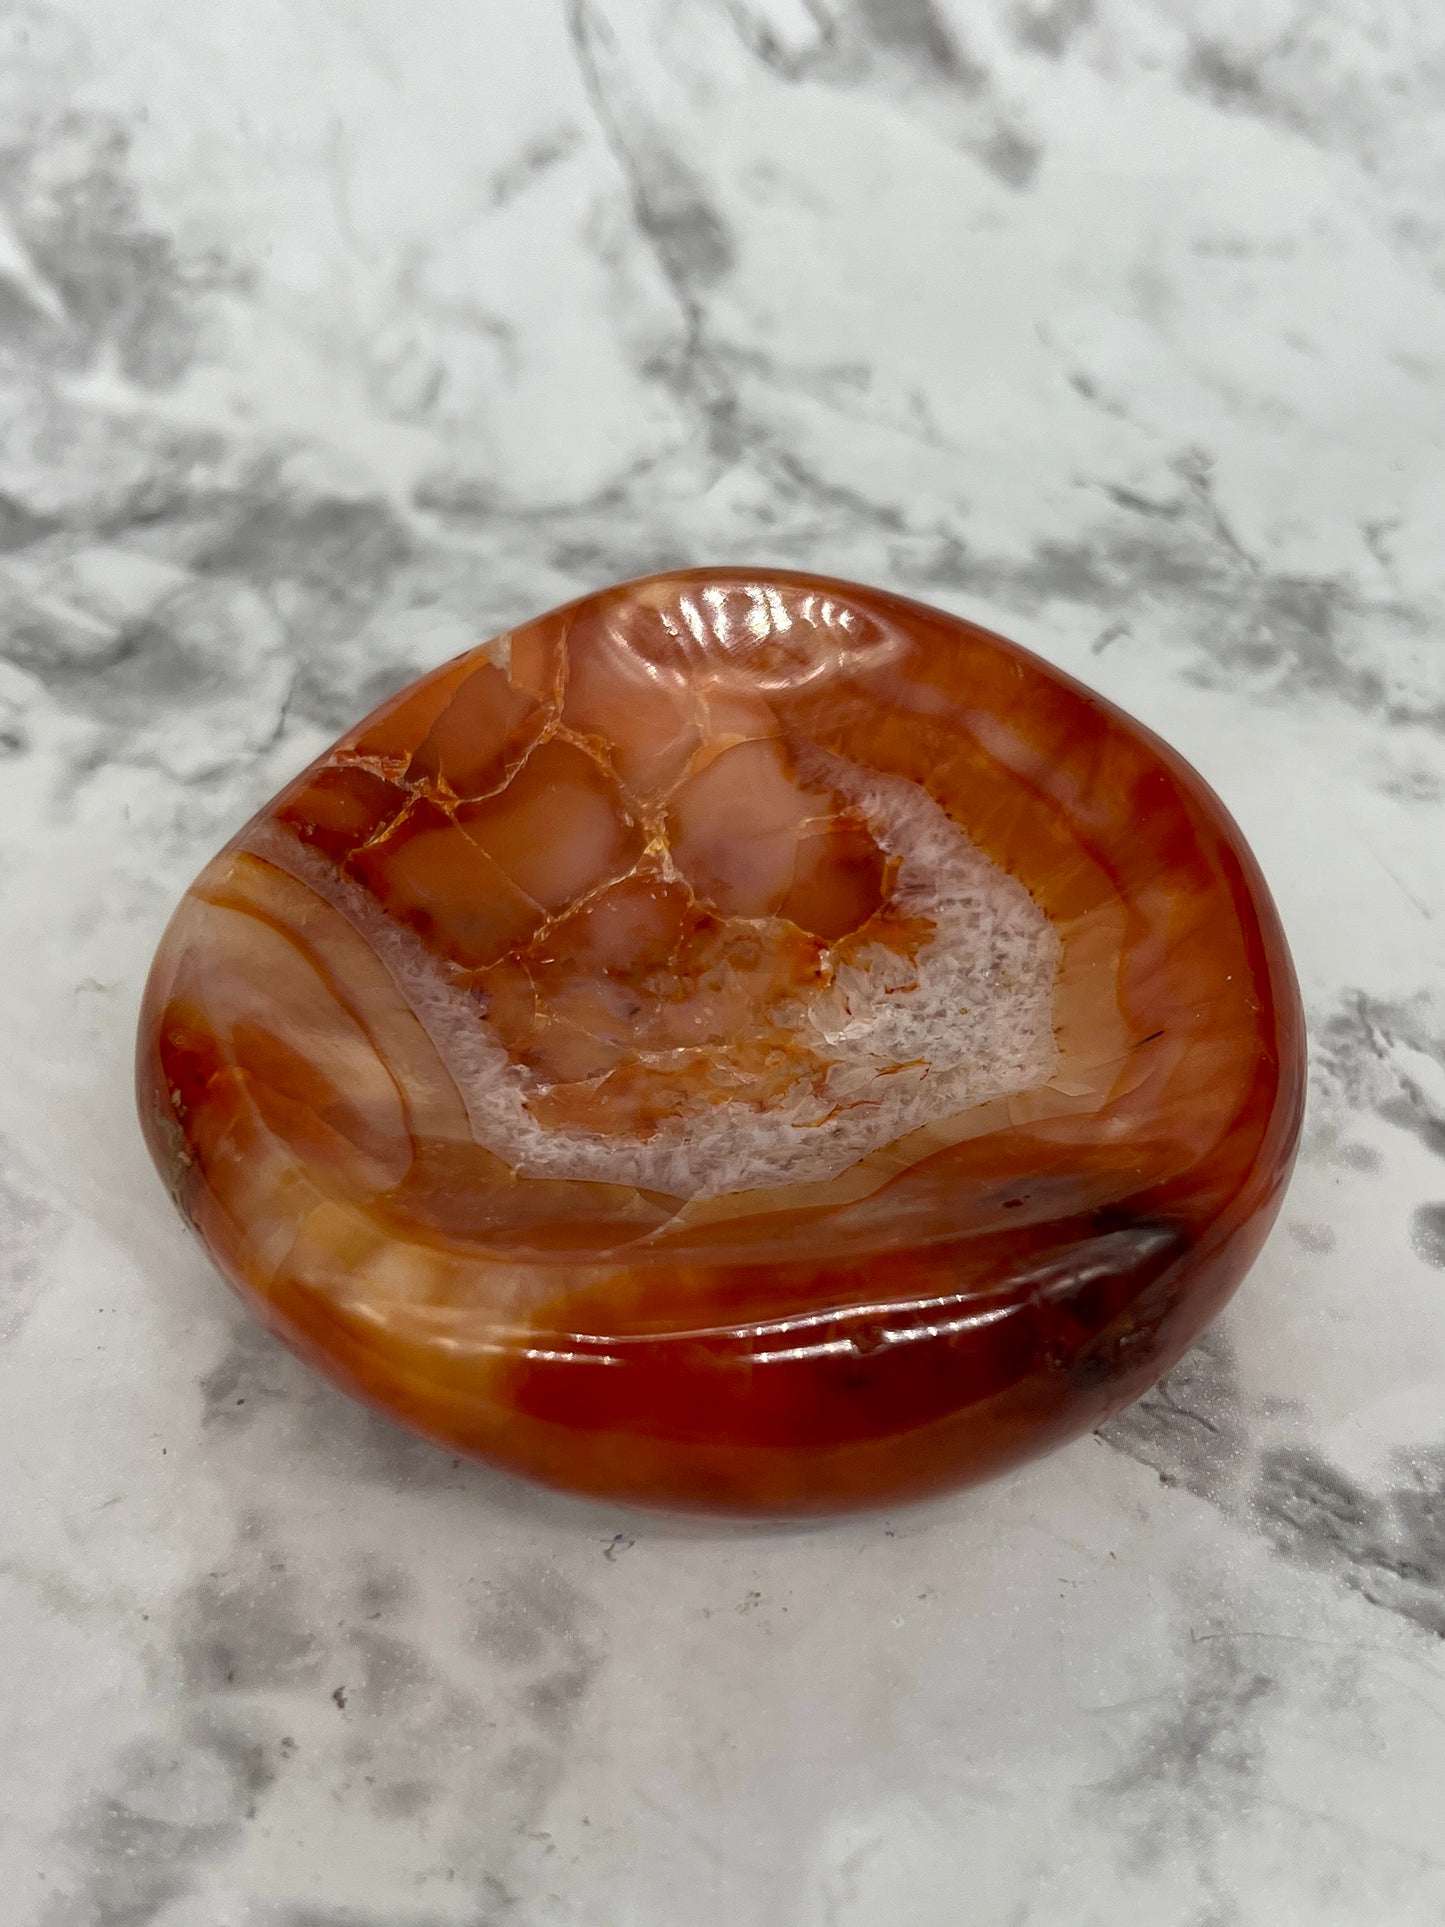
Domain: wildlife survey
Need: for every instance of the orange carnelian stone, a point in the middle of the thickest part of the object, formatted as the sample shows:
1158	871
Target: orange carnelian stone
741	1041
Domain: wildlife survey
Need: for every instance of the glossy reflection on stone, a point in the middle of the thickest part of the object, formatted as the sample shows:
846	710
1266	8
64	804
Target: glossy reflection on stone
738	1041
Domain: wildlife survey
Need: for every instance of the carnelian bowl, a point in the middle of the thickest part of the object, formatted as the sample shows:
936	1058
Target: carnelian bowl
740	1041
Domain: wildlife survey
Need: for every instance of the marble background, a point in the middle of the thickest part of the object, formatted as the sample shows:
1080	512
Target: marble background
334	336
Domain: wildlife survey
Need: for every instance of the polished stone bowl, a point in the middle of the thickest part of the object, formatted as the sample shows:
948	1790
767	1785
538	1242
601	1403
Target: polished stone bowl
741	1041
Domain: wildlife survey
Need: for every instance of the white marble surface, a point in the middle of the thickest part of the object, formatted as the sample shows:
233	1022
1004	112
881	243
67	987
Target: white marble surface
334	336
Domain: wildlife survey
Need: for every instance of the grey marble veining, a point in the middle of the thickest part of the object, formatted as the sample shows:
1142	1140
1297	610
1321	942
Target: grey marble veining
332	338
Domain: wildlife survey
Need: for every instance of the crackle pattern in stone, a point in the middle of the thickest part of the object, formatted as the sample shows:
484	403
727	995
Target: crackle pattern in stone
737	1041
